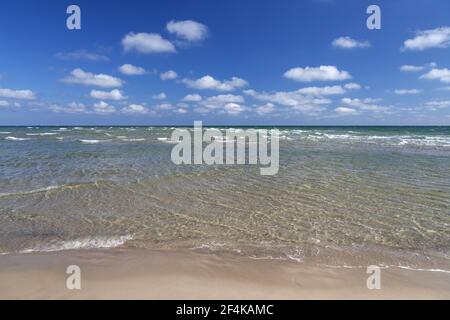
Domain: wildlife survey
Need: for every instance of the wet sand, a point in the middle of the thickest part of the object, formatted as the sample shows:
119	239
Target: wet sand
148	274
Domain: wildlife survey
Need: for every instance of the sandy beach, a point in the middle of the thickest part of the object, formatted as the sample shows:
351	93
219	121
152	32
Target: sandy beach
147	274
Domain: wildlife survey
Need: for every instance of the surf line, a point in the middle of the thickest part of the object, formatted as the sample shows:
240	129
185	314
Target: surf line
235	143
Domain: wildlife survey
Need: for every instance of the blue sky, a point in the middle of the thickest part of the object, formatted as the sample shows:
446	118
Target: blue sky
311	62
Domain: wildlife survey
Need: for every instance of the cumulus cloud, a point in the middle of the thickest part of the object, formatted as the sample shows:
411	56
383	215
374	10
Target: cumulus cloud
352	86
265	109
4	103
426	39
208	82
193	97
81	55
442	75
346	111
407	91
322	91
159	96
146	43
414	68
17	94
322	73
72	107
349	43
131	70
188	30
233	109
104	108
78	76
295	100
135	109
114	94
168	75
367	104
411	68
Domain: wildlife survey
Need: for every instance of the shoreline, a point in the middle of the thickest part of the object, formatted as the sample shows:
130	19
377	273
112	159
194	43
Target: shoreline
124	273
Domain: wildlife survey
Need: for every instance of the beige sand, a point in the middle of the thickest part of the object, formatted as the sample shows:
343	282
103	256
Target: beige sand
143	274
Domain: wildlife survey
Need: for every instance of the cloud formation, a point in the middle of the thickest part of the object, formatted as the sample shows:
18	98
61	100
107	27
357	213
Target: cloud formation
426	39
17	94
103	108
209	83
322	73
131	70
442	75
188	30
78	76
349	43
147	43
168	75
114	94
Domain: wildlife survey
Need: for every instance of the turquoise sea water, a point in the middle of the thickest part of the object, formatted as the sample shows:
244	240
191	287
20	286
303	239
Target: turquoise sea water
342	195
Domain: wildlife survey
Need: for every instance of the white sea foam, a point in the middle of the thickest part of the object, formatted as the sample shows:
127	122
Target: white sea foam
133	140
87	141
16	139
5	132
42	134
83	243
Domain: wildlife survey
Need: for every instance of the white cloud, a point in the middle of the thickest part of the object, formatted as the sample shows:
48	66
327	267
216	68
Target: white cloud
407	91
307	104
4	103
72	107
114	94
414	68
208	82
349	43
78	76
352	86
103	108
233	109
367	104
193	97
135	109
432	38
181	111
437	104
131	70
322	73
81	55
346	111
411	68
322	91
265	109
442	75
17	94
146	43
160	96
168	75
189	30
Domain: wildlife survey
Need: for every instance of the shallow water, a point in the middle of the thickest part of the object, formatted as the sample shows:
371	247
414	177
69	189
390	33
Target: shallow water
342	195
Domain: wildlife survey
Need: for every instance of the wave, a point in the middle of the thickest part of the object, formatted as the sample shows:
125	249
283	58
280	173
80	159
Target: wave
88	141
16	139
83	243
42	134
5	132
133	140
